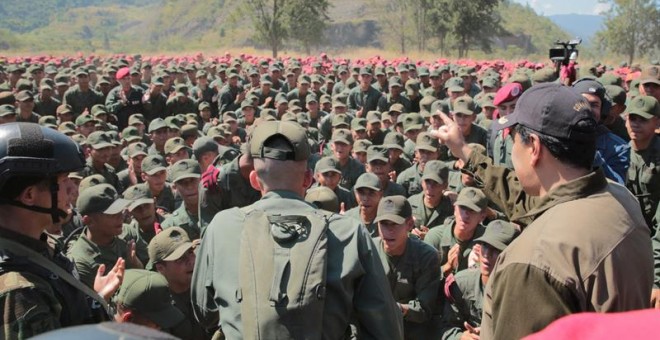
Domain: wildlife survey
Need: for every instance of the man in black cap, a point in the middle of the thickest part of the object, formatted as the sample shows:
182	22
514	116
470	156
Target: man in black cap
564	259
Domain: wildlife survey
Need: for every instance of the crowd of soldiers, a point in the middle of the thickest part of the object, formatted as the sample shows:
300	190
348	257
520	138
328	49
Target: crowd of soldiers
161	152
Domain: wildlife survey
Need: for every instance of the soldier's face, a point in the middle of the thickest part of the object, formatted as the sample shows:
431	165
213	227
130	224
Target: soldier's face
641	129
102	155
104	224
433	191
393	155
360	157
145	215
178	273
341	150
379	168
368	199
651	89
507	108
156	181
329	179
467	219
394	236
424	156
188	190
136	163
487	258
595	103
464	122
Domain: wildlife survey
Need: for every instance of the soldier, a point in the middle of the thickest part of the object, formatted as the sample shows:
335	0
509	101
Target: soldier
144	298
81	97
378	163
158	131
180	102
176	150
155	99
102	213
172	255
301	91
205	150
642	119
232	94
463	308
97	163
367	194
426	149
24	107
364	98
394	142
185	175
7	114
563	192
45	104
394	97
455	239
144	224
124	100
328	174
410	265
85	124
36	297
431	206
650	81
132	175
374	132
501	140
341	145
154	175
355	283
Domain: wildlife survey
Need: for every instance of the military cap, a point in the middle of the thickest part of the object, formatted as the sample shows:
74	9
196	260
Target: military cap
472	198
439	105
303	118
340	120
393	208
7	97
98	109
490	82
99	140
508	93
394	140
367	180
202	145
396	108
81	72
130	134
464	105
104	80
185	168
169	245
342	136
138	194
50	69
181	88
217	132
387	117
522	79
544	75
377	153
24	96
487	100
67	127
137	149
7	110
423	71
90	181
379	71
311	98
317	78
373	117
174	144
616	94
147	293
294	134
157	124
203	106
228	117
338	103
651	75
394	81
23	85
123	73
437	171
246	103
413	121
157	81
455	84
136	118
303	79
425	105
644	106
402	67
61	80
190	130
84	119
365	71
323	198
15	68
201	74
44	120
153	164
361	145
426	142
499	234
100	198
326	164
326	99
358	124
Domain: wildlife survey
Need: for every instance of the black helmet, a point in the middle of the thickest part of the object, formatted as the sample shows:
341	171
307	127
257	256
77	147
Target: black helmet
28	149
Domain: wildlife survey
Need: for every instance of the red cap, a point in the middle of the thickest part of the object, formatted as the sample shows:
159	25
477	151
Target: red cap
507	93
123	72
640	324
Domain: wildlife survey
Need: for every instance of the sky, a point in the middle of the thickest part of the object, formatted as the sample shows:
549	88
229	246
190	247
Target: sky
552	7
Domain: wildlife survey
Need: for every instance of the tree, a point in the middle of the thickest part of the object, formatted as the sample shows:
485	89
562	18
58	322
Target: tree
473	24
307	21
631	27
268	18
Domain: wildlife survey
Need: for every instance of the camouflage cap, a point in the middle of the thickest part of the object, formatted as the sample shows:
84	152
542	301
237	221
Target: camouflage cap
148	294
377	153
437	171
136	118
138	194
294	134
64	109
185	168
137	149
157	124
326	164
130	134
426	142
472	198
174	144
490	82
394	140
358	124
91	181
323	198
464	105
341	120
499	234
413	121
169	245
644	106
651	75
99	140
153	164
7	110
342	136
361	145
367	180
101	198
394	208
454	84
43	120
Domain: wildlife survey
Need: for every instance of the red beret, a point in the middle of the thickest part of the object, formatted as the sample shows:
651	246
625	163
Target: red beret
507	93
123	72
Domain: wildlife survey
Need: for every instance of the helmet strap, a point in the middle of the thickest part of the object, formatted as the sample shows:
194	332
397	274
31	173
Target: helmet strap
55	213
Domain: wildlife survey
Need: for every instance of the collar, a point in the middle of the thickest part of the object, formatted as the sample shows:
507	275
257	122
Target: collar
39	245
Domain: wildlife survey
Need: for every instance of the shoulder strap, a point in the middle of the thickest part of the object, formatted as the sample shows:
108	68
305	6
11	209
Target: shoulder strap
43	262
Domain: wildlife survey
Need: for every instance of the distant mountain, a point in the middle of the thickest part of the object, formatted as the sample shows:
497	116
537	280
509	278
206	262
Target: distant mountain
584	26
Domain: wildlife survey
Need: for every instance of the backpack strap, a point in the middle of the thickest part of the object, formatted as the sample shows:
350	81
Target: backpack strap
43	262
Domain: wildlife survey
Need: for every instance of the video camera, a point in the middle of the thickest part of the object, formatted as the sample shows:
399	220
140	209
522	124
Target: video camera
561	55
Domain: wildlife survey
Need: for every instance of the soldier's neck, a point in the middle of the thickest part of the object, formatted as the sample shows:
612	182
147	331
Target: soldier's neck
640	145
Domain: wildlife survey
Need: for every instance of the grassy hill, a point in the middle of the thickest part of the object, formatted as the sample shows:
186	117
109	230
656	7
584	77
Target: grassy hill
64	26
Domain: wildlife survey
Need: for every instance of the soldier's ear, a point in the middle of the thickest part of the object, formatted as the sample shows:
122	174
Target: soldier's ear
309	179
254	180
127	316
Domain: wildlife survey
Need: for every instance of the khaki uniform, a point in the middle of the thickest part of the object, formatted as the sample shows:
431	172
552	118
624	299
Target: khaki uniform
355	284
415	280
46	107
367	101
350	173
372	227
465	304
133	232
442	238
411	180
433	217
108	173
644	179
182	218
189	328
81	100
88	256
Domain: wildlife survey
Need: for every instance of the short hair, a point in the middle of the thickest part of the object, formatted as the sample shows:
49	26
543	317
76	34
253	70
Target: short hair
570	152
16	184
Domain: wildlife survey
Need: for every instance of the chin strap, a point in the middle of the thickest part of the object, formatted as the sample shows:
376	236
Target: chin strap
55	213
